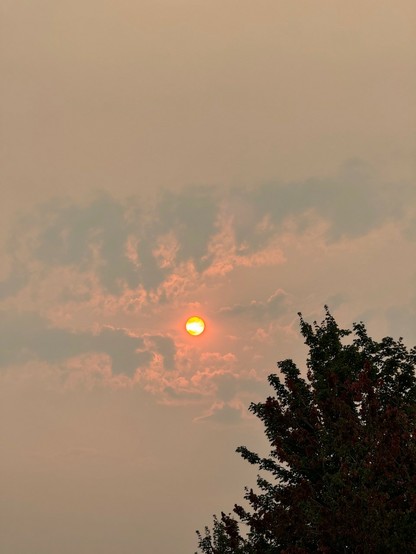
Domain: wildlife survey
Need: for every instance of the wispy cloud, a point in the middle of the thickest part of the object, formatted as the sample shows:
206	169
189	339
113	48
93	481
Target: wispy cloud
128	247
108	277
273	307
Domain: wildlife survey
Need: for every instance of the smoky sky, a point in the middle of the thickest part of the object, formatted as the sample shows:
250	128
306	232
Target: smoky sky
167	158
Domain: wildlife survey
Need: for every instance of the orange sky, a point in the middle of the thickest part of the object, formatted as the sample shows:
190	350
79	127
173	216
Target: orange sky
238	160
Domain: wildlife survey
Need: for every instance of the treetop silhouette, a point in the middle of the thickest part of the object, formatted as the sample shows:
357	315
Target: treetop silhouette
342	453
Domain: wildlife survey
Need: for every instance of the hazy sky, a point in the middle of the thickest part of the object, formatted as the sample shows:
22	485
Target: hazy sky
240	160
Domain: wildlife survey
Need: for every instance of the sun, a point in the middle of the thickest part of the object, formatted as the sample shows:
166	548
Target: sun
195	325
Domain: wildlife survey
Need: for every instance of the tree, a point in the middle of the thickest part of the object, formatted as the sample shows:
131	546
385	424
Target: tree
343	453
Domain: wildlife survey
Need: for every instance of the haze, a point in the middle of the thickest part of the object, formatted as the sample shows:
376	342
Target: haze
238	160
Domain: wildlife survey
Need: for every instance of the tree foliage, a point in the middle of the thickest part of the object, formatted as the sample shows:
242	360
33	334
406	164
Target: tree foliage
343	455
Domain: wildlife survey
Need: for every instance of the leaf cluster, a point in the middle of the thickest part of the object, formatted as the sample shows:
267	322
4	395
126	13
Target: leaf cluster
342	453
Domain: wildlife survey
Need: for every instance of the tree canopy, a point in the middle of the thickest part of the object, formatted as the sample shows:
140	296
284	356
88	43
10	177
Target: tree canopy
342	453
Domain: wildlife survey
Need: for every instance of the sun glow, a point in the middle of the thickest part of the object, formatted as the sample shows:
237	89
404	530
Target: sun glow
195	325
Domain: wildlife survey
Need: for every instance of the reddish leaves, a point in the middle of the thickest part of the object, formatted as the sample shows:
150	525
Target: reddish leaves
343	453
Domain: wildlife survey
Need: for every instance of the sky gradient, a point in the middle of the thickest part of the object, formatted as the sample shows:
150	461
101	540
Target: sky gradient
242	161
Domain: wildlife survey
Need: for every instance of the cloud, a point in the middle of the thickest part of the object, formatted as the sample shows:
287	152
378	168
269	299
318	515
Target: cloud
15	281
126	351
222	413
354	201
167	348
191	214
196	376
25	336
195	235
272	308
224	253
81	234
129	271
96	235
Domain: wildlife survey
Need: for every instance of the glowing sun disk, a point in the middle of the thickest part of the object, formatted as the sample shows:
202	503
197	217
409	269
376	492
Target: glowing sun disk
195	325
